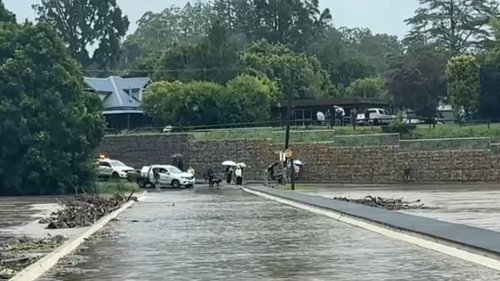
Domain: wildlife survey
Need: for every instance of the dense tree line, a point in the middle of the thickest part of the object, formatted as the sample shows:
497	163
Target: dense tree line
296	45
222	61
49	126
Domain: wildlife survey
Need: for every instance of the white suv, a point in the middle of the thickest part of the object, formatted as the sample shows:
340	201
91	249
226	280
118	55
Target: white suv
114	169
168	175
377	116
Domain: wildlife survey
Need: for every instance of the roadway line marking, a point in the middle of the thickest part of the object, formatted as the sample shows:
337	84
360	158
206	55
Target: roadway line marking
432	243
36	270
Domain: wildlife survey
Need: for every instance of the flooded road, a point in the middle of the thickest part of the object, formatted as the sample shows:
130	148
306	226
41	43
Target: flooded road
473	205
230	235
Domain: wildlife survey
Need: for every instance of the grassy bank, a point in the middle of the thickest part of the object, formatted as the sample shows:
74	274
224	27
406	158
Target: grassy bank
106	187
322	133
325	134
424	137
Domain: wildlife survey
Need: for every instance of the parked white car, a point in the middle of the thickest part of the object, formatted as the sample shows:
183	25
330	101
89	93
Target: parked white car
166	176
377	116
114	169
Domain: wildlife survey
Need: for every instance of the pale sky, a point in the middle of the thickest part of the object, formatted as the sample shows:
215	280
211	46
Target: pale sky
381	16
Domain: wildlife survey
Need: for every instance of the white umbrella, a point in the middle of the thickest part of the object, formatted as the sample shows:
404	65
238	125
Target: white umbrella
339	109
228	163
241	164
298	162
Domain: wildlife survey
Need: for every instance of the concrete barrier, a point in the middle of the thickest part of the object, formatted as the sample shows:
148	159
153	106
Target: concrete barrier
471	253
36	270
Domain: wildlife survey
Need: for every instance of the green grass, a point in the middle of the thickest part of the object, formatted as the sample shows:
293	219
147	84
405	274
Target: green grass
105	187
325	134
423	137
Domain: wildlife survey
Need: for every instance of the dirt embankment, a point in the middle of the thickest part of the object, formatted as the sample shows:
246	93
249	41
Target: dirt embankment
81	210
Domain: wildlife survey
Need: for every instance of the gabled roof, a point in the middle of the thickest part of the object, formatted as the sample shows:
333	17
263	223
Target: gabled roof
117	91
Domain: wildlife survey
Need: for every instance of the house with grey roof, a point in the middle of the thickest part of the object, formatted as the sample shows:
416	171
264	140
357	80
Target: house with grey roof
121	98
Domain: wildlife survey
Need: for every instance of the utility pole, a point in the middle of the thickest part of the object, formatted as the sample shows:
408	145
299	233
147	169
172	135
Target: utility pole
287	132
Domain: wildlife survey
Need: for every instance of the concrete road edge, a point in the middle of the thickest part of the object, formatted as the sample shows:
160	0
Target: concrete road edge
36	270
424	241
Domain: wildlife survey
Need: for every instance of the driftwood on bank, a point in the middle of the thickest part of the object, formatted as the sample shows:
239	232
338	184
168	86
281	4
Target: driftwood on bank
386	203
85	209
15	255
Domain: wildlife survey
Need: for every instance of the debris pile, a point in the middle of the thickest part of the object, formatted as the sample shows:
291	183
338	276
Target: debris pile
18	254
85	209
386	203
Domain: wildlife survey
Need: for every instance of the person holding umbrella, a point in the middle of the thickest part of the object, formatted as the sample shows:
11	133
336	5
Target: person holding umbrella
239	176
297	165
229	170
177	161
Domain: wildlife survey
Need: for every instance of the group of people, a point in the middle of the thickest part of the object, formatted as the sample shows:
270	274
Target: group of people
335	118
230	173
238	174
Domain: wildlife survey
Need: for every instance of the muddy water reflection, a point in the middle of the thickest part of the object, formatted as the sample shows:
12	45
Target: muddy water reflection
229	235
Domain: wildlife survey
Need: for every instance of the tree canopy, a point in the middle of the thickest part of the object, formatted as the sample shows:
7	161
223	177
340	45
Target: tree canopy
85	23
50	125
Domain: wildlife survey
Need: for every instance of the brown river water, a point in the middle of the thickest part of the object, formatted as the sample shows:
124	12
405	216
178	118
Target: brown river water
227	234
19	216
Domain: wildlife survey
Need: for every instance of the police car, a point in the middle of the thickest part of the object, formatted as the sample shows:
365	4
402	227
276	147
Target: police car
114	169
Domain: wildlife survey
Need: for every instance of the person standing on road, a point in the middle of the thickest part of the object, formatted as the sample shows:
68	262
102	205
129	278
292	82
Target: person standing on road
229	174
210	176
407	171
239	176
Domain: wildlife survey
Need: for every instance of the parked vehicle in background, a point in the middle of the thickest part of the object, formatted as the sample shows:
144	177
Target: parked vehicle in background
159	176
112	169
377	116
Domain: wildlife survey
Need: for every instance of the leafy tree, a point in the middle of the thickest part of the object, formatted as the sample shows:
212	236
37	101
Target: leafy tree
370	87
51	127
249	99
288	68
296	23
456	25
343	64
490	75
244	99
378	49
215	59
462	73
6	15
158	31
86	23
416	81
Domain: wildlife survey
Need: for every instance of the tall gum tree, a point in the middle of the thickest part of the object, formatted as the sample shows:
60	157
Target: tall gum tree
87	23
455	25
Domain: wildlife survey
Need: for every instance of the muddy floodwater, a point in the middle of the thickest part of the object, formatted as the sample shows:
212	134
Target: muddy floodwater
230	235
19	216
474	205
